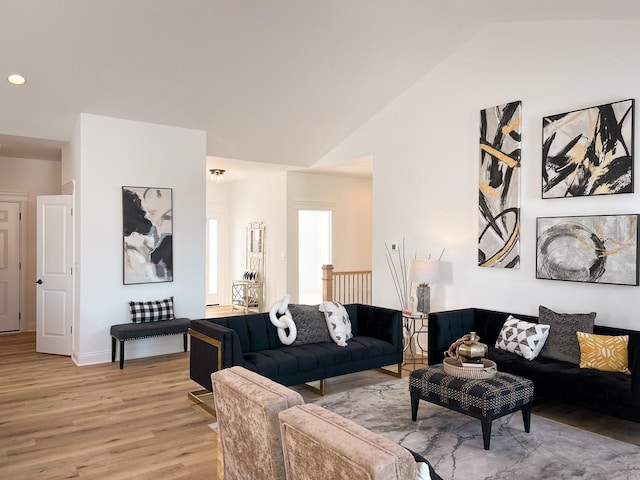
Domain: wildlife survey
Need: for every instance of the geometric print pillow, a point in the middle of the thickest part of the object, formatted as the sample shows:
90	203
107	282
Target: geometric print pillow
338	322
604	352
522	338
152	311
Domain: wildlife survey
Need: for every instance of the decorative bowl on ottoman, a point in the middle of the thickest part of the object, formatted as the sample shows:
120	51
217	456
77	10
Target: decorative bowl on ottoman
486	369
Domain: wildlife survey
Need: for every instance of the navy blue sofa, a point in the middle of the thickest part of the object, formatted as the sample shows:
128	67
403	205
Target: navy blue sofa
252	342
611	393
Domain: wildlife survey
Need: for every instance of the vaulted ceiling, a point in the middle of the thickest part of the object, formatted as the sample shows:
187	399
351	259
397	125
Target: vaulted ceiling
278	81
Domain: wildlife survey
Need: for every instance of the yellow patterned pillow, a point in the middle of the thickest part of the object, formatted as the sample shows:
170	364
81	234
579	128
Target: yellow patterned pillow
604	352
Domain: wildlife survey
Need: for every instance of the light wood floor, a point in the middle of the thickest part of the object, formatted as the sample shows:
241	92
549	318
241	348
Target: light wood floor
61	421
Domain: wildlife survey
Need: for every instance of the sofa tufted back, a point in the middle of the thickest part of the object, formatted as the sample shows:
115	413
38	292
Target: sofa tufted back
445	328
257	333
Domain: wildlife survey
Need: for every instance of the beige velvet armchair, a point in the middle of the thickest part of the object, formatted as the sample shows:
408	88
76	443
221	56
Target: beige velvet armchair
321	444
247	407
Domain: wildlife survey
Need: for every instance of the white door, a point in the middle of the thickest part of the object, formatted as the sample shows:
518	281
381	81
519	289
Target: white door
9	267
54	304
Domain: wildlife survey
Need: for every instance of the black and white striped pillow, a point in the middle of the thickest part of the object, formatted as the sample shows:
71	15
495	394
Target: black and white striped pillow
152	311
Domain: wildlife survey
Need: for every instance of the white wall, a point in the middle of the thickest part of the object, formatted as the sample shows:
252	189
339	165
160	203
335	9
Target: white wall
260	199
106	154
425	150
34	177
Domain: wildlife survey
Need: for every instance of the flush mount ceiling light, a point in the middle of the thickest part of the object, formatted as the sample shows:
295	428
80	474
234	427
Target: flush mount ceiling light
16	79
216	174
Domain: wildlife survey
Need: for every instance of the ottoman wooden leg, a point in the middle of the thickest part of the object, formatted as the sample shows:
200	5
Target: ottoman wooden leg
486	432
415	398
526	418
113	349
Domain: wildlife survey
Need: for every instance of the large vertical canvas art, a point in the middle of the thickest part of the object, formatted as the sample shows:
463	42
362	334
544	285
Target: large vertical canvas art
499	204
147	217
594	249
588	152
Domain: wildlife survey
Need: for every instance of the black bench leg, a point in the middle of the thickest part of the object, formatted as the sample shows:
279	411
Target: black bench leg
526	418
184	341
113	349
486	432
415	399
121	354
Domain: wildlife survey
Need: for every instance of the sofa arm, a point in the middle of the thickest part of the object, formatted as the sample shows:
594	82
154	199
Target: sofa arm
445	328
634	366
377	322
213	347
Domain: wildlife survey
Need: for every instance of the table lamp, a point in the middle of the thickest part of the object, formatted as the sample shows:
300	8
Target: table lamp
424	272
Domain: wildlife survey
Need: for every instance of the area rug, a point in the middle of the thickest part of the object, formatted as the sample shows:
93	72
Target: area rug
452	442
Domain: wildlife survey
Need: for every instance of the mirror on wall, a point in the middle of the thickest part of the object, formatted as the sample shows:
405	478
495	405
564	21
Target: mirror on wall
256	239
248	293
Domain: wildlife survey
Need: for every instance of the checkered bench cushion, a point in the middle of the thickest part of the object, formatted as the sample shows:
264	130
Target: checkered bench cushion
491	397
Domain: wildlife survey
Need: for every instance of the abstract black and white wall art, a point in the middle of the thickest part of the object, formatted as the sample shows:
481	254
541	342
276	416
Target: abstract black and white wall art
147	217
499	204
593	249
588	152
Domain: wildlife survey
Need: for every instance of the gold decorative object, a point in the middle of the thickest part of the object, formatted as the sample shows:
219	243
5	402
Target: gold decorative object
467	349
465	359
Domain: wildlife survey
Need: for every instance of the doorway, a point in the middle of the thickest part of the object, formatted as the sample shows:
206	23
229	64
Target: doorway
314	250
10	265
216	262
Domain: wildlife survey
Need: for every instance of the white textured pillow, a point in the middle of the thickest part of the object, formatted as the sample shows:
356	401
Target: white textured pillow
522	338
423	472
337	321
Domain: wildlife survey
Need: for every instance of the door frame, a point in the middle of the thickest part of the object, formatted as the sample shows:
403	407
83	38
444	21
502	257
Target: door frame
22	198
293	283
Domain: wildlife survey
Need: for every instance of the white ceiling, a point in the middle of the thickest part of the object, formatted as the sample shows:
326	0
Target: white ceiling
278	81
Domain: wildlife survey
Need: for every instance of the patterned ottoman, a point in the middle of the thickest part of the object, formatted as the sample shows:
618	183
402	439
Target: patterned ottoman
484	399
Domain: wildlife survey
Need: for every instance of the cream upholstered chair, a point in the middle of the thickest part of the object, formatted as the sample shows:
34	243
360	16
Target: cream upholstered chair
321	444
247	407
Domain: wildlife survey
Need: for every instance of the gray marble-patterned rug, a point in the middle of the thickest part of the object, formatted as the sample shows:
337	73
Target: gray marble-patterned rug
452	442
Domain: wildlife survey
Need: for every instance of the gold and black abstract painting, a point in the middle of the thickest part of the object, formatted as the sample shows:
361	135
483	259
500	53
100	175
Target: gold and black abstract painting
588	152
593	249
499	186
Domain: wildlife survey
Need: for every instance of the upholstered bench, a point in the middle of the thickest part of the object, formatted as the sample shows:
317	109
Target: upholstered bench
134	331
153	318
485	399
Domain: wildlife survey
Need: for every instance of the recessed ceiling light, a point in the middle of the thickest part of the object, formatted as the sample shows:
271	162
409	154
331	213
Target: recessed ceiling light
16	79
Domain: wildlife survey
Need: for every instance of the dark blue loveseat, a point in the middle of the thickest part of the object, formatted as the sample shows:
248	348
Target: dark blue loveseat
252	342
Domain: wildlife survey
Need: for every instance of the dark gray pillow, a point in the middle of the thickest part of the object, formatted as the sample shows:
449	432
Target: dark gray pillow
311	324
562	343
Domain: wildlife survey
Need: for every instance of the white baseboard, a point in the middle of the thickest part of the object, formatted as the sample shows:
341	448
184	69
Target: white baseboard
142	348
